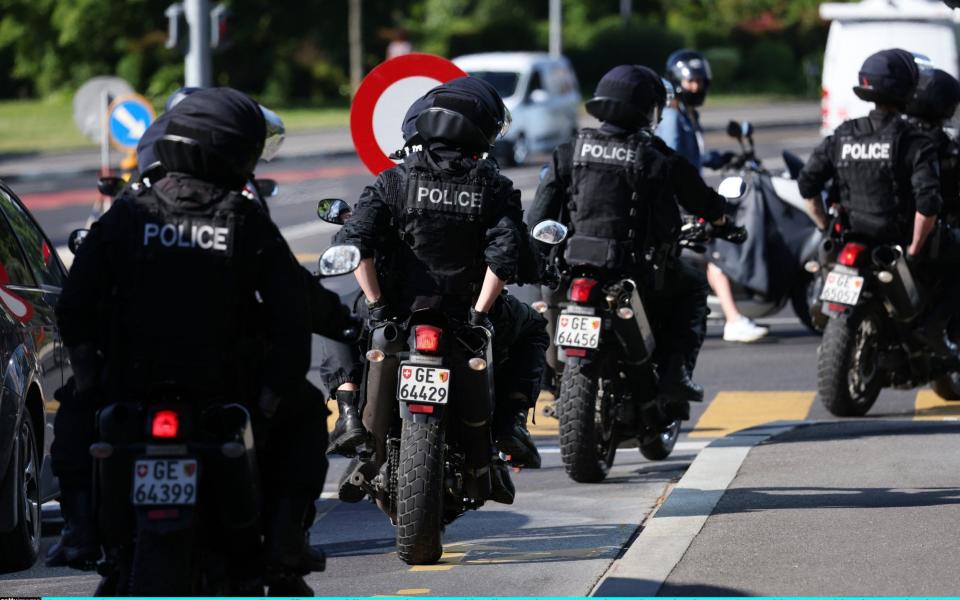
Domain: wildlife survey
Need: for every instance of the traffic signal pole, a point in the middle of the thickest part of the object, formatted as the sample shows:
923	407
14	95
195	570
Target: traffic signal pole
198	64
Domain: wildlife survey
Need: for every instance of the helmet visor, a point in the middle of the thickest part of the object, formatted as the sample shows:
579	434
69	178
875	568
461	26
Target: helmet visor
505	125
275	134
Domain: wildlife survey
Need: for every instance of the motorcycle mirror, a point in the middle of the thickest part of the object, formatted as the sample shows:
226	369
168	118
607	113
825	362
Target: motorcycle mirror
110	186
333	210
746	129
339	260
543	172
549	232
76	238
267	188
732	187
734	130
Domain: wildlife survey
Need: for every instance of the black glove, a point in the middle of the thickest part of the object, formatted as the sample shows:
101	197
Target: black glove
268	403
378	313
481	319
730	231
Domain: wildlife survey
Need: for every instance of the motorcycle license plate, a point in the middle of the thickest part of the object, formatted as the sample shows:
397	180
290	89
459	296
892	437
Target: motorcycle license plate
578	332
842	288
167	481
424	384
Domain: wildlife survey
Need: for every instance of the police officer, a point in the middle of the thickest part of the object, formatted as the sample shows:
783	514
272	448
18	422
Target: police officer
885	168
166	285
456	257
617	187
520	345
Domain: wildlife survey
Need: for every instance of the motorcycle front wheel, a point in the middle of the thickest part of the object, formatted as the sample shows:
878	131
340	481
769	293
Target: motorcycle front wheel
420	493
587	444
848	376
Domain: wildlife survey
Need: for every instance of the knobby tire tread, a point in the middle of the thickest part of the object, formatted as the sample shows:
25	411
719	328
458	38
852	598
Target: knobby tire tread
420	493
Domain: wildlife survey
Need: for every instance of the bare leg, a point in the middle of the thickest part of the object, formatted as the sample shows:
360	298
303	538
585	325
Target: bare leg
721	287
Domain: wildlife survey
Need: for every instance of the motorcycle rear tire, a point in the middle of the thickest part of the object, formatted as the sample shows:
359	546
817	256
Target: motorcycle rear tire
948	386
420	493
163	564
835	365
584	458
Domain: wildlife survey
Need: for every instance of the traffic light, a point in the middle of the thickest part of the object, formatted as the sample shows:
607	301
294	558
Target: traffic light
177	33
221	24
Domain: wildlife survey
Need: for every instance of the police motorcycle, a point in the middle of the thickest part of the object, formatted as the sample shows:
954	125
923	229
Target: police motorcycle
772	269
176	487
876	303
429	387
605	339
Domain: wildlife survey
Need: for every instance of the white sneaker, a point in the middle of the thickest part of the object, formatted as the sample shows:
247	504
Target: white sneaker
743	330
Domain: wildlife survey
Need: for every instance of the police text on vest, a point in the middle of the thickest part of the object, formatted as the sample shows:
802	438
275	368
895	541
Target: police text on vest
448	197
617	153
874	151
205	237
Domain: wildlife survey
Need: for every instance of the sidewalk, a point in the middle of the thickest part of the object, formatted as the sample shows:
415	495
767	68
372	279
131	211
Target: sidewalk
855	508
337	141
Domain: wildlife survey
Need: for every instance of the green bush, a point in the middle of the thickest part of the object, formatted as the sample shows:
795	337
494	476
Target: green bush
724	62
771	65
614	41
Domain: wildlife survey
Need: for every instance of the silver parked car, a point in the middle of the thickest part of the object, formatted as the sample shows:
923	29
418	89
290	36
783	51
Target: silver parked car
540	91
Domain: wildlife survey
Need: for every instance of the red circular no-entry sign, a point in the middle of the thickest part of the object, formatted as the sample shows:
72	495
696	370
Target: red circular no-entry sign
383	98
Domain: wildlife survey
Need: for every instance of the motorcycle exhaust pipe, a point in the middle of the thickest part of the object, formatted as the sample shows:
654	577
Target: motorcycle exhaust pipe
382	365
901	294
633	329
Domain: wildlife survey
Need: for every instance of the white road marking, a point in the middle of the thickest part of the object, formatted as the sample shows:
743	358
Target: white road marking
680	446
306	230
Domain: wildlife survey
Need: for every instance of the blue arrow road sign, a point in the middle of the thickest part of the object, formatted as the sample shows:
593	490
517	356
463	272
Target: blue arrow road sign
129	118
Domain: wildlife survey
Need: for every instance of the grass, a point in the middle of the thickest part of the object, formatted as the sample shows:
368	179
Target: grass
47	125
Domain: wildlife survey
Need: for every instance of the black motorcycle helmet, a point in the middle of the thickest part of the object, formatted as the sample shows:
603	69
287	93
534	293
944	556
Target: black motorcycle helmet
936	97
466	113
888	77
215	134
689	64
629	96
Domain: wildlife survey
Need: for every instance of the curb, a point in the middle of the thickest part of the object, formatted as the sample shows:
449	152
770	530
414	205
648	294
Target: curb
648	561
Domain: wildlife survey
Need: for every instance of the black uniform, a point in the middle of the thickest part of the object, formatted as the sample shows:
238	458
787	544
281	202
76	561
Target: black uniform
619	190
885	171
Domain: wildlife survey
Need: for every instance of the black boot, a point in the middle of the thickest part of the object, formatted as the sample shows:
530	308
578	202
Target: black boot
676	383
286	540
77	547
502	489
515	441
348	433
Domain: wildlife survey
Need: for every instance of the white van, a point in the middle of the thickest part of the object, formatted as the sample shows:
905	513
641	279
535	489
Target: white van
540	91
926	27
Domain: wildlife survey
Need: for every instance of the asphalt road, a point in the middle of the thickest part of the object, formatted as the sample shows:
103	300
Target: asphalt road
559	537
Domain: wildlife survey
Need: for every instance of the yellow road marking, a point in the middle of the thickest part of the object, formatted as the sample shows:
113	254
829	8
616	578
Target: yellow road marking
413	591
307	257
545	426
929	406
448	560
733	411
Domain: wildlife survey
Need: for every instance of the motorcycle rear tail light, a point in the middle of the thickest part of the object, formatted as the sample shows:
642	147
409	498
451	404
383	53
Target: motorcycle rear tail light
580	289
838	228
166	424
579	352
427	338
848	256
425	409
163	514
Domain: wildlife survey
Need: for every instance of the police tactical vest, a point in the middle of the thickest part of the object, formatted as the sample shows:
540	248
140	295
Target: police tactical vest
948	151
865	164
608	212
185	304
442	220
